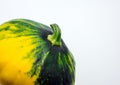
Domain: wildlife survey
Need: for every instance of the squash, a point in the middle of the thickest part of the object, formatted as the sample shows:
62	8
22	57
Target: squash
32	53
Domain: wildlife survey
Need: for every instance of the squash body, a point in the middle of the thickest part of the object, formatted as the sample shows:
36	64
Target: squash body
27	57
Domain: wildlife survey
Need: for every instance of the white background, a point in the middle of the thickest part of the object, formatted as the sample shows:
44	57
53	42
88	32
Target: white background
90	28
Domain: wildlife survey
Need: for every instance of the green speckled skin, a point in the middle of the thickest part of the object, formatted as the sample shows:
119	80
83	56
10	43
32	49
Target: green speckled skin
54	65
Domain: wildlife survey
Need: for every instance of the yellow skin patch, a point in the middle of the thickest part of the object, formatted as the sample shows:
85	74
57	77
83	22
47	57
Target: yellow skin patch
14	64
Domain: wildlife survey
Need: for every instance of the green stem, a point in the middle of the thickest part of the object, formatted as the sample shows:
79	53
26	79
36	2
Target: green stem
55	38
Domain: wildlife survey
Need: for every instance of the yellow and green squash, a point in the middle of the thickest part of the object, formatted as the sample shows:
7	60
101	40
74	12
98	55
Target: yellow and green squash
34	54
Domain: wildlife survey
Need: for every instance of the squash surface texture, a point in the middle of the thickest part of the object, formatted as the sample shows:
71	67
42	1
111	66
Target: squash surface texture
32	53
